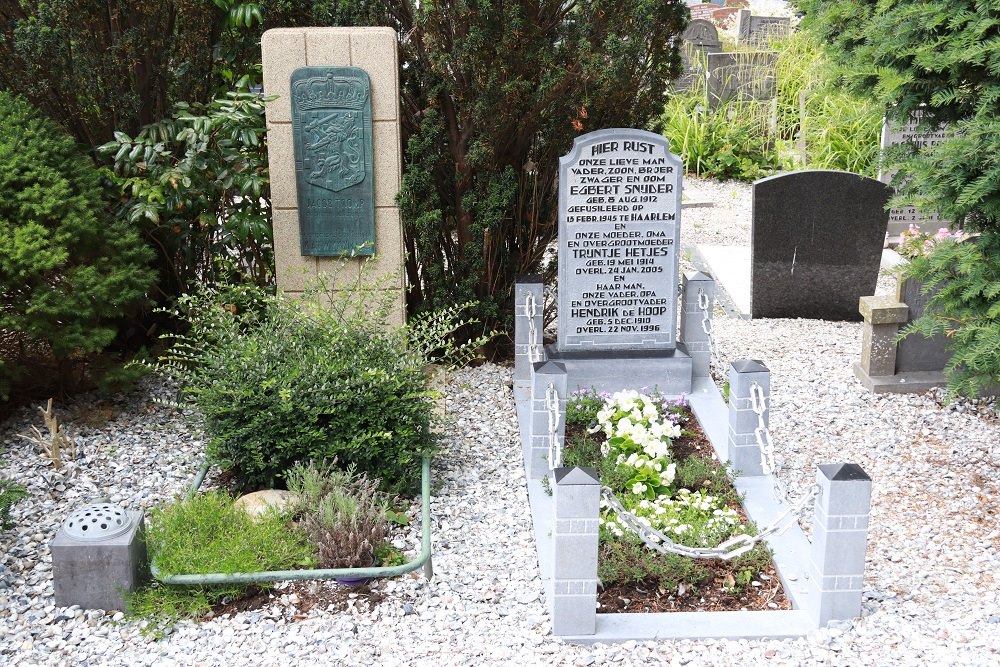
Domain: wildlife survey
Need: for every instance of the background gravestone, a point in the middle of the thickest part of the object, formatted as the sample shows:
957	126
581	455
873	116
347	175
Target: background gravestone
742	75
760	31
816	243
900	218
619	234
699	39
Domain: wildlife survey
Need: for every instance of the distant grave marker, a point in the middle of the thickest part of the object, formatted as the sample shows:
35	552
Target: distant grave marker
816	243
760	31
699	39
900	218
742	75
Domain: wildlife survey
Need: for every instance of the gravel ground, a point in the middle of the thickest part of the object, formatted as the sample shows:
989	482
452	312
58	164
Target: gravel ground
931	593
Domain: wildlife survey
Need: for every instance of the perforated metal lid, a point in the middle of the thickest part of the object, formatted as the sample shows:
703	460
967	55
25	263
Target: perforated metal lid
100	521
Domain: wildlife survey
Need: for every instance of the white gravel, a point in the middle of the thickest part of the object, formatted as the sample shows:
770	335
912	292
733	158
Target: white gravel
933	564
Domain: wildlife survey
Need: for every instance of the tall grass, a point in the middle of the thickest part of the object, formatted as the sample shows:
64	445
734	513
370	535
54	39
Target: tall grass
815	124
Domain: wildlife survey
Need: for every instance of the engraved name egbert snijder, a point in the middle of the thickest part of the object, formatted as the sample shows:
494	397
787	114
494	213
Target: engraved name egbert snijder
332	135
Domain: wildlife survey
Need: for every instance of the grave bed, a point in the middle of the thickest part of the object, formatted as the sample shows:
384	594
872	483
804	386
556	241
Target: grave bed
791	550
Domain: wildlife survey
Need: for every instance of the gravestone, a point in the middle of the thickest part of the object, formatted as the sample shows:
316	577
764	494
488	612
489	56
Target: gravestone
900	218
619	236
332	135
699	39
742	75
816	243
760	31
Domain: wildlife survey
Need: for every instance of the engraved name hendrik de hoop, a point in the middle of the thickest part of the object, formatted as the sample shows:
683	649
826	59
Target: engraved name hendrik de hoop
617	191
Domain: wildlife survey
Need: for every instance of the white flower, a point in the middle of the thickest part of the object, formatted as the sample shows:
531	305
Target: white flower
639	488
668	475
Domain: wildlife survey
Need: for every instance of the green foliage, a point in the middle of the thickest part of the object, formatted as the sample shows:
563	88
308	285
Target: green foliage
206	534
299	381
493	94
97	66
731	141
964	281
196	184
741	140
626	560
941	57
343	512
10	494
69	273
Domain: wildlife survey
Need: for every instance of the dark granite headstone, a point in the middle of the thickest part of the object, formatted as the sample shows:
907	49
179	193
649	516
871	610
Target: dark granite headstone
742	75
760	31
915	352
900	218
816	243
332	136
619	235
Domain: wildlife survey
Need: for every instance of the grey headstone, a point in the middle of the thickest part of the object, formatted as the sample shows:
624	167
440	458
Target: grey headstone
742	75
893	134
760	31
619	237
816	243
332	137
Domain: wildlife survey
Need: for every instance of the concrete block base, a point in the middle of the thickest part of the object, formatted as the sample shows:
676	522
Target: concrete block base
96	575
668	372
913	382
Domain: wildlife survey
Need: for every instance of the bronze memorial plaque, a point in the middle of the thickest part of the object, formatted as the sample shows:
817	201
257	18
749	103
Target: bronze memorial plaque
332	135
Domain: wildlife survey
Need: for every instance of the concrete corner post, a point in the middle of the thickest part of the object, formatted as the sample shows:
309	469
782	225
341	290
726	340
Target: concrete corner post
692	334
573	602
840	538
525	285
744	452
544	374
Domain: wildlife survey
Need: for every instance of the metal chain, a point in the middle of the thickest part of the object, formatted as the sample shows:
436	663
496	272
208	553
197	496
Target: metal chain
552	408
709	328
726	550
530	310
765	444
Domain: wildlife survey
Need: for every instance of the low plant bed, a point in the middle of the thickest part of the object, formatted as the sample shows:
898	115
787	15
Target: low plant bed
339	519
653	453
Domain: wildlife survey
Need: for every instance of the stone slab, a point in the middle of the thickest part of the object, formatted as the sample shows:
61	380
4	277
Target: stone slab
668	371
914	382
816	243
730	266
619	237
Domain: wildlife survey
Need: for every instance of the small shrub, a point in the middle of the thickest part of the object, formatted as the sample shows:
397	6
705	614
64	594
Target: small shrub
69	272
343	512
10	494
731	141
298	380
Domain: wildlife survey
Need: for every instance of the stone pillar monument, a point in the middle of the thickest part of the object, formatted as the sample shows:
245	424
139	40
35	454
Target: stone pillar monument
335	156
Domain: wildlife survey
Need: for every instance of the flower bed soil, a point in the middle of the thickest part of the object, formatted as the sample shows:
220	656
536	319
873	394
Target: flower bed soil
713	592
